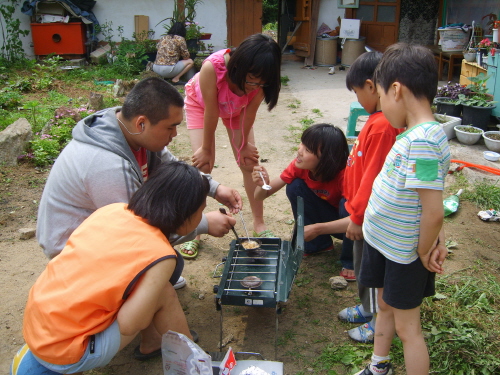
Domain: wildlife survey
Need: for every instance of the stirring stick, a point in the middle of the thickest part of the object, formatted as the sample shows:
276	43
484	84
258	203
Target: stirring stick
244	226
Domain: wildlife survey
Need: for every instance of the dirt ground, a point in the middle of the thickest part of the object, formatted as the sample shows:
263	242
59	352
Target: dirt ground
308	321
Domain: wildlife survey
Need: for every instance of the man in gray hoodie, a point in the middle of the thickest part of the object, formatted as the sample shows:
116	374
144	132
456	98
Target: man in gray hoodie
110	156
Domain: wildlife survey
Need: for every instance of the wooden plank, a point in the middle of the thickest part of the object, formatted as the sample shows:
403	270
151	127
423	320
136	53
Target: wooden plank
309	60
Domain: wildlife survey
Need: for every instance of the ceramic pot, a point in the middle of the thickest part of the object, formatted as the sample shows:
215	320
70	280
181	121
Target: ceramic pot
465	137
470	56
491	144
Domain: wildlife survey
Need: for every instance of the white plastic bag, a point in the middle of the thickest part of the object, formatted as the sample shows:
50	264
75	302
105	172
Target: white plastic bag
181	356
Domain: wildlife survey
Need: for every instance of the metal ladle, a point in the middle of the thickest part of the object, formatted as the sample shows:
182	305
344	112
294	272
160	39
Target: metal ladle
265	186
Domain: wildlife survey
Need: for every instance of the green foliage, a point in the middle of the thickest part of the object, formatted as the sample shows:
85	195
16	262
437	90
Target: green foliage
269	11
11	50
129	57
351	356
485	194
285	80
478	96
463	325
45	150
9	98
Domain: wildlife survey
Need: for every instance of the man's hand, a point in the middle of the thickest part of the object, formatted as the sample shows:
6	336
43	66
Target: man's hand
354	231
230	198
219	224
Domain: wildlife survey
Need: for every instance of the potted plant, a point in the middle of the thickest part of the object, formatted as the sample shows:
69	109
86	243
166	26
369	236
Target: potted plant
147	43
447	99
467	134
448	123
492	140
470	54
477	106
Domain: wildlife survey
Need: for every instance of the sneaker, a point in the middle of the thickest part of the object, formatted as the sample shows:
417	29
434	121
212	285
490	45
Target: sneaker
364	333
355	314
181	283
385	370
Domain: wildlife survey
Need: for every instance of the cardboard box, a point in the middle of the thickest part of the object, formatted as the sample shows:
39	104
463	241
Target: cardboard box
141	24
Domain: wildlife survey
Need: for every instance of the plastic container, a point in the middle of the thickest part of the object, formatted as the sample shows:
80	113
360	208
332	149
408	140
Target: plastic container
491	144
467	138
326	51
352	49
453	40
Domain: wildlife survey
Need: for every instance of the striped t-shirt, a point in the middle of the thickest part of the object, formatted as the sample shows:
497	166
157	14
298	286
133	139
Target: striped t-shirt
419	159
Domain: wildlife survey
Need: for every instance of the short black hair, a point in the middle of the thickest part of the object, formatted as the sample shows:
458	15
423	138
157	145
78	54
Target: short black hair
178	28
170	196
329	144
260	56
152	97
411	65
362	69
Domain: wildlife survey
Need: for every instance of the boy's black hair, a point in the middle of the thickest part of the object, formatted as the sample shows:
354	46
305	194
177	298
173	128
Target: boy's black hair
152	97
260	56
173	193
329	144
413	66
362	69
178	28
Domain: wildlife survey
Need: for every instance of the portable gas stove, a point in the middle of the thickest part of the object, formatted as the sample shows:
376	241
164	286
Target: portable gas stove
261	277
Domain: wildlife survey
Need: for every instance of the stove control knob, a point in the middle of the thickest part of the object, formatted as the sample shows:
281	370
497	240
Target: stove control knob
216	289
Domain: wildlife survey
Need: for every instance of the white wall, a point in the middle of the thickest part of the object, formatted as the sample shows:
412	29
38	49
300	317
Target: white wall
329	12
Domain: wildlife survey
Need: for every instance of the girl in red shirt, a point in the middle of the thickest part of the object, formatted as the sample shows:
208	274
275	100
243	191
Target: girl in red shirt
316	174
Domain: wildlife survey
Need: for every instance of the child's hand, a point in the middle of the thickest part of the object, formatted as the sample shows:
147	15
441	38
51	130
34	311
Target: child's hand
434	258
256	175
201	160
249	155
311	232
354	231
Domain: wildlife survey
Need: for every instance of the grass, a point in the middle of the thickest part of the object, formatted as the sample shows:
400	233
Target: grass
484	194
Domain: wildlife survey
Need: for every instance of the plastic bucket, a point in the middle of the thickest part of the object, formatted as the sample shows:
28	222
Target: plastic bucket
353	48
326	51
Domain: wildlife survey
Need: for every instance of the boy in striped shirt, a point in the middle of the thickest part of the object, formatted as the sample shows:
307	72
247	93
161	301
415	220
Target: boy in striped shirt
402	228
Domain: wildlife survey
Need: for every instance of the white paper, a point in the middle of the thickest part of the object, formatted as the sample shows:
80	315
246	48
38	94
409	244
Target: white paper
349	28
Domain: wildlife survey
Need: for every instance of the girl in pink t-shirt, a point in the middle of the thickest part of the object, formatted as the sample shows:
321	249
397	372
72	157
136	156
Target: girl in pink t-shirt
231	85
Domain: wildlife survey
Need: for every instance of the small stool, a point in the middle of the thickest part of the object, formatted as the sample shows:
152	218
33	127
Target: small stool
356	111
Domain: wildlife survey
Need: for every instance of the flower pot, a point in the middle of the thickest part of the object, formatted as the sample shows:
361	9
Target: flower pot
492	144
470	56
465	137
477	116
444	107
205	36
448	123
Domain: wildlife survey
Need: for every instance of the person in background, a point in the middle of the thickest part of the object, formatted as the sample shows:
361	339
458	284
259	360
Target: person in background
112	153
316	175
87	305
231	85
403	226
172	60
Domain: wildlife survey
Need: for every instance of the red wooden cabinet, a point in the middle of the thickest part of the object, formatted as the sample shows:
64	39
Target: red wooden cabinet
58	38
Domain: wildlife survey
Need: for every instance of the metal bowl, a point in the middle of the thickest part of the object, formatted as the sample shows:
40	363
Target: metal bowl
250	244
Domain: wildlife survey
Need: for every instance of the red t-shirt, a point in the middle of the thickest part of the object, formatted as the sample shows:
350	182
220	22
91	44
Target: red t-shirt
365	162
142	159
331	191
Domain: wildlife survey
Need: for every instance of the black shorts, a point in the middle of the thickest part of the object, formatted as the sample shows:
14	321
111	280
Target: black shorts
405	285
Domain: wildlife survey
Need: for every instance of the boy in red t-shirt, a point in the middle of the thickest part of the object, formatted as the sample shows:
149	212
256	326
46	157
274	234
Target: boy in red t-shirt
363	165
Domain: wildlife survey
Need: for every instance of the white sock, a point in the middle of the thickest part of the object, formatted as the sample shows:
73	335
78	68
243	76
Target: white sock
379	364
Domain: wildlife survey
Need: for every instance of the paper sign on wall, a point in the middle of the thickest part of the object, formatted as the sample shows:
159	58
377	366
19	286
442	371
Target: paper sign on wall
349	28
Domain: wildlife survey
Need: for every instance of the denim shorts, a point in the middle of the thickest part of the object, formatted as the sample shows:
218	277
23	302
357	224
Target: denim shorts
106	345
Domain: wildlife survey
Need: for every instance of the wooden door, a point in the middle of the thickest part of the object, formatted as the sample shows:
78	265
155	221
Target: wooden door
244	18
379	22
